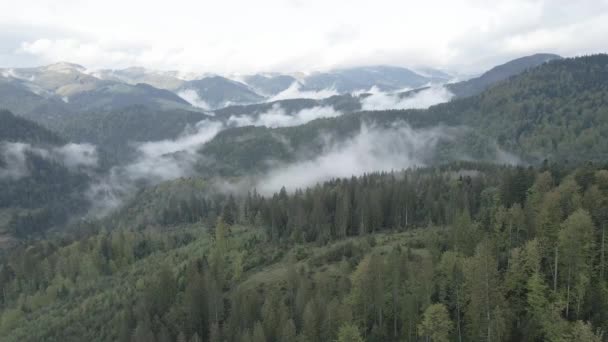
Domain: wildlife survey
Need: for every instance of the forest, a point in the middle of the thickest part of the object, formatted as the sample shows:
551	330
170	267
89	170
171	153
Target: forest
463	248
460	252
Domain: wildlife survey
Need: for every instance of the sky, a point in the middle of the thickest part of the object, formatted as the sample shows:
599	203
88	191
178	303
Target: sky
244	36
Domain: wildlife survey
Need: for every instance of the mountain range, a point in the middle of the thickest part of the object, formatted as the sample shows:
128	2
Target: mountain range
139	205
74	109
58	89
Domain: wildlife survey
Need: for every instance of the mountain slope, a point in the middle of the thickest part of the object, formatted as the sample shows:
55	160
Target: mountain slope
115	130
54	93
61	79
385	78
499	73
556	111
18	98
134	75
218	92
42	178
269	85
116	96
16	129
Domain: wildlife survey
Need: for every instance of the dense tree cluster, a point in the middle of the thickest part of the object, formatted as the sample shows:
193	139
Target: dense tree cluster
458	253
43	191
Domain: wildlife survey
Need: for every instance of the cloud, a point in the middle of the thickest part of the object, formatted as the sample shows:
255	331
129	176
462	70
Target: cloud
421	100
75	157
278	117
456	33
192	97
13	158
157	161
87	53
294	92
192	138
164	160
372	149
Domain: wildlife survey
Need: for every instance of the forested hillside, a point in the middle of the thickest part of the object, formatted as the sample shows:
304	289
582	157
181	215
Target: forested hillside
463	249
42	178
116	131
466	251
16	129
499	73
303	171
558	111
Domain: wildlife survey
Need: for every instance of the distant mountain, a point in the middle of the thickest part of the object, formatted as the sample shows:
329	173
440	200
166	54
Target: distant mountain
499	73
119	95
269	85
555	111
170	80
435	74
346	103
58	92
60	79
21	100
218	92
384	78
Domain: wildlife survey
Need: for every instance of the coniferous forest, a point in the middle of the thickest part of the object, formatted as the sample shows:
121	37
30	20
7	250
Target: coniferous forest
460	252
301	171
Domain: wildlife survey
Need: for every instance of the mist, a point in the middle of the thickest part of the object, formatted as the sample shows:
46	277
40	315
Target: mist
420	100
295	92
278	117
74	157
371	149
192	97
156	162
13	158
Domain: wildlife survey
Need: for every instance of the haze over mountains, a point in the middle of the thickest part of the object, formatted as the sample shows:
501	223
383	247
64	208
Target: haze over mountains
308	159
112	89
303	171
179	125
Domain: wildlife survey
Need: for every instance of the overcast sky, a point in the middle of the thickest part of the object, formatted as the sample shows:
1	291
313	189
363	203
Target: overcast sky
240	36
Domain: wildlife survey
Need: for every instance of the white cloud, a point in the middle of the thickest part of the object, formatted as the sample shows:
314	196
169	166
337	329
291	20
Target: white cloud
294	92
14	159
372	149
157	161
278	117
269	35
422	99
190	140
73	156
192	97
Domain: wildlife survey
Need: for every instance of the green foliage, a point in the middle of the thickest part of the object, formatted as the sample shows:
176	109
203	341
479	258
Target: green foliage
556	111
287	269
349	333
436	323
